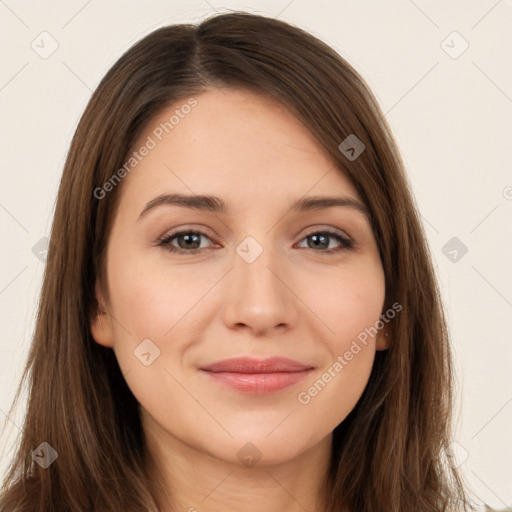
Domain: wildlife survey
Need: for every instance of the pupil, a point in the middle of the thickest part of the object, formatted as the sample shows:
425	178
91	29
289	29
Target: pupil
316	237
188	238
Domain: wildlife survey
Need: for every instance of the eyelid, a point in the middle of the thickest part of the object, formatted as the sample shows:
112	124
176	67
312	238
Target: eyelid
307	231
187	228
202	232
345	241
315	228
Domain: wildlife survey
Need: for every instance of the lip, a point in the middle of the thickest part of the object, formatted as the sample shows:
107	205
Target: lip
257	376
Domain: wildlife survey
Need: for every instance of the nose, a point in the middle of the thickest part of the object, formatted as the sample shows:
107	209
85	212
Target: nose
259	297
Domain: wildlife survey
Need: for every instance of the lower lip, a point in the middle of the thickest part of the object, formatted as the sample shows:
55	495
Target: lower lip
259	383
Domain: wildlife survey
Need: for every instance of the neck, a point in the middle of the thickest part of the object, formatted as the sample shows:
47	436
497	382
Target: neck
191	480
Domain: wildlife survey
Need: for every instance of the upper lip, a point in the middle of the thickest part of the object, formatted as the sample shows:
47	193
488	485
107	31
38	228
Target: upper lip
251	365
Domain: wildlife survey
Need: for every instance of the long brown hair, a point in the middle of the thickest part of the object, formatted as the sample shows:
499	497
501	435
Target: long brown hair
392	453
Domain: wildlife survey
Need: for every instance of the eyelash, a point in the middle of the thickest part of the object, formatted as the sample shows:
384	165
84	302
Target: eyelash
345	242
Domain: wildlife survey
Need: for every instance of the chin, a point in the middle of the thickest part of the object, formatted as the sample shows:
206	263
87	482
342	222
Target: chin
261	451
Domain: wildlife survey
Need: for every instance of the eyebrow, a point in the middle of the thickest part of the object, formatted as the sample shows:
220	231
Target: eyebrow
216	205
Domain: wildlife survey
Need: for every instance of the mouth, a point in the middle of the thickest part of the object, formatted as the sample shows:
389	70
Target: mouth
257	376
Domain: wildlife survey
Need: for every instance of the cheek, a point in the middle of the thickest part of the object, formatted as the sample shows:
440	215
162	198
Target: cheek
347	302
335	389
150	301
331	396
351	310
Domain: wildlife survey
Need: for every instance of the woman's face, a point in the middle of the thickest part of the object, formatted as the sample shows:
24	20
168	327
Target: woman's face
190	287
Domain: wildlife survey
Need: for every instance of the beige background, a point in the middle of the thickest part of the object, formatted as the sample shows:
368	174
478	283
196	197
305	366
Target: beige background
451	115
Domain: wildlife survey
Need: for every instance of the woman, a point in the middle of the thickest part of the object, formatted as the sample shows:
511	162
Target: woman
295	357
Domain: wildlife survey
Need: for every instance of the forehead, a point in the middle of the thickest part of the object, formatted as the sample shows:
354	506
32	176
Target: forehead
234	144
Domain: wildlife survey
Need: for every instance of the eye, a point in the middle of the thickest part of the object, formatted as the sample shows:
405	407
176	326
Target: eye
189	242
320	240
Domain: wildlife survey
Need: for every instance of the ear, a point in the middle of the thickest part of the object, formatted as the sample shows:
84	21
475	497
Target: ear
101	325
383	340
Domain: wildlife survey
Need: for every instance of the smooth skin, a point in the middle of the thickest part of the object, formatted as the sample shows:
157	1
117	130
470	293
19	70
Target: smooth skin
298	299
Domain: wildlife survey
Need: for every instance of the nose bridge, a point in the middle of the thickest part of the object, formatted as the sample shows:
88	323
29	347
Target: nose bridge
258	296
